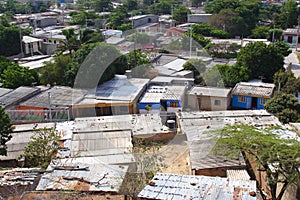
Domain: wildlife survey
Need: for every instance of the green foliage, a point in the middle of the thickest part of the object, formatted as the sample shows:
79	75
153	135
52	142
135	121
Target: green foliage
117	18
9	37
261	60
213	78
219	34
125	27
196	65
162	7
53	72
137	59
41	149
15	76
237	18
231	75
260	32
180	13
6	129
277	157
285	106
283	47
289	14
289	84
102	5
223	50
277	33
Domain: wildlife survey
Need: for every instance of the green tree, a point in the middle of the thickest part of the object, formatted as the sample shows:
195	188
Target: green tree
261	60
283	47
180	13
119	16
213	78
41	149
285	106
137	58
198	66
9	37
231	75
15	76
53	72
140	38
289	14
286	82
260	32
277	157
6	129
102	5
162	7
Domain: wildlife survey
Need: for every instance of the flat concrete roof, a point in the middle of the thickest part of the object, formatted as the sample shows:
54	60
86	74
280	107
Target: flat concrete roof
210	91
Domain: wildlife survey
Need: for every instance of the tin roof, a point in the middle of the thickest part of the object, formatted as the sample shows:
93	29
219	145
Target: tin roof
198	126
237	174
210	91
60	96
21	136
175	186
256	89
119	88
17	95
83	177
18	176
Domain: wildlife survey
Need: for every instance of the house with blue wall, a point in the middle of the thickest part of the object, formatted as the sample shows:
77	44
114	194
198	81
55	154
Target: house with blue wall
162	98
251	95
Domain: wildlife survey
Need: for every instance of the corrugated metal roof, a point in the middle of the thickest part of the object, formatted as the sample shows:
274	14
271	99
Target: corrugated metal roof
175	65
210	91
4	91
17	95
60	96
101	143
197	124
18	176
20	138
83	177
254	89
175	186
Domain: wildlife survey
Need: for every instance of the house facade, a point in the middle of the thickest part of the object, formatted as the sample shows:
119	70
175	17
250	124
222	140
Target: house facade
291	36
209	98
251	95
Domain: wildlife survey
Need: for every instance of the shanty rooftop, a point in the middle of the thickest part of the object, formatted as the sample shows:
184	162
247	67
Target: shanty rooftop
175	186
58	96
16	96
138	124
156	93
21	137
167	80
210	91
18	176
198	126
256	89
83	177
4	91
118	89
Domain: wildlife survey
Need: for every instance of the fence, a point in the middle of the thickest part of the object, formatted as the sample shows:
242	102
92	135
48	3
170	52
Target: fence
38	116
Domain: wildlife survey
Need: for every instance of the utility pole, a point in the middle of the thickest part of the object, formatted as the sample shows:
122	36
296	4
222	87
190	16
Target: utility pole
191	39
297	40
21	43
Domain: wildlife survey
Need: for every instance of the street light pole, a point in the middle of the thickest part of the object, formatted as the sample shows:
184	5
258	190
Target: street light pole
191	39
49	100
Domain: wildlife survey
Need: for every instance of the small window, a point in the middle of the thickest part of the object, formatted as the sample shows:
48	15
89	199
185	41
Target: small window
262	101
241	99
174	104
217	102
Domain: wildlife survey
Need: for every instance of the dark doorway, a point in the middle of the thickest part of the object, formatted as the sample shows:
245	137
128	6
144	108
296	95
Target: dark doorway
254	103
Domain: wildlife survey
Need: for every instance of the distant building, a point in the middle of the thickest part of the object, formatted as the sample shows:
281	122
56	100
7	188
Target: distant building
178	186
251	95
198	18
143	20
31	46
42	22
209	98
291	36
